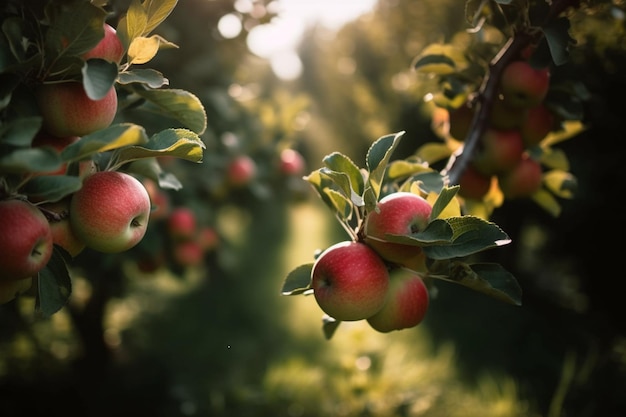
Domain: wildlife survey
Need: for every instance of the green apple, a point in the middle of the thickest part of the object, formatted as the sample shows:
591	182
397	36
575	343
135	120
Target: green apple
399	213
349	281
110	212
523	180
109	48
25	240
406	304
68	111
499	151
524	86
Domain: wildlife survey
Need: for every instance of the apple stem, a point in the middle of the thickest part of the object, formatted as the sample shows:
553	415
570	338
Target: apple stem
54	216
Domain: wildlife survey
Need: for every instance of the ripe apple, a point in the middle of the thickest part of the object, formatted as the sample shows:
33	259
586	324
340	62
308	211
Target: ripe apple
500	151
208	238
241	170
349	281
159	200
110	212
474	185
524	86
506	117
460	121
399	213
291	162
9	290
62	233
187	253
538	123
523	180
406	304
67	111
181	223
25	240
45	139
110	47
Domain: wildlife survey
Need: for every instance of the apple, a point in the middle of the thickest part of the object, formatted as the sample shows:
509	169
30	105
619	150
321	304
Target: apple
539	122
110	212
460	121
349	281
524	86
181	223
291	162
62	233
499	152
523	180
25	240
241	170
473	184
159	200
109	48
208	238
9	290
406	304
187	253
506	117
68	111
58	144
399	213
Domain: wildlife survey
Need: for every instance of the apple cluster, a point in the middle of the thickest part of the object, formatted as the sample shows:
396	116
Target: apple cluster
108	213
519	120
372	278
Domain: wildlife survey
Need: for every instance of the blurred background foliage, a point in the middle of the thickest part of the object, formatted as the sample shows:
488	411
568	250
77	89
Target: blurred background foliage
220	340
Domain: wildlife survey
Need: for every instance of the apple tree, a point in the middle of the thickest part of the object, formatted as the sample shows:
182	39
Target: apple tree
500	107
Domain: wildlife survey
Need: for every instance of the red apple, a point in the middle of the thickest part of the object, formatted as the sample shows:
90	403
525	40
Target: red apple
109	48
241	170
25	240
62	233
181	223
500	151
523	180
159	199
538	123
460	121
187	253
67	111
291	162
208	238
406	304
524	86
45	139
9	290
110	212
399	213
506	117
349	281
474	185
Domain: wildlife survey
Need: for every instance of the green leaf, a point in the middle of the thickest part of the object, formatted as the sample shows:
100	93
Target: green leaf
339	162
404	168
13	30
298	281
55	285
52	187
445	196
27	160
179	143
339	203
329	326
20	132
488	278
150	168
178	104
471	235
157	11
559	40
113	137
437	232
150	77
377	159
74	30
99	76
344	184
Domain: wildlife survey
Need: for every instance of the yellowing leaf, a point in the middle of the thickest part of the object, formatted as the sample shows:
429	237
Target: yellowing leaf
453	209
434	152
547	202
560	183
142	49
570	129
